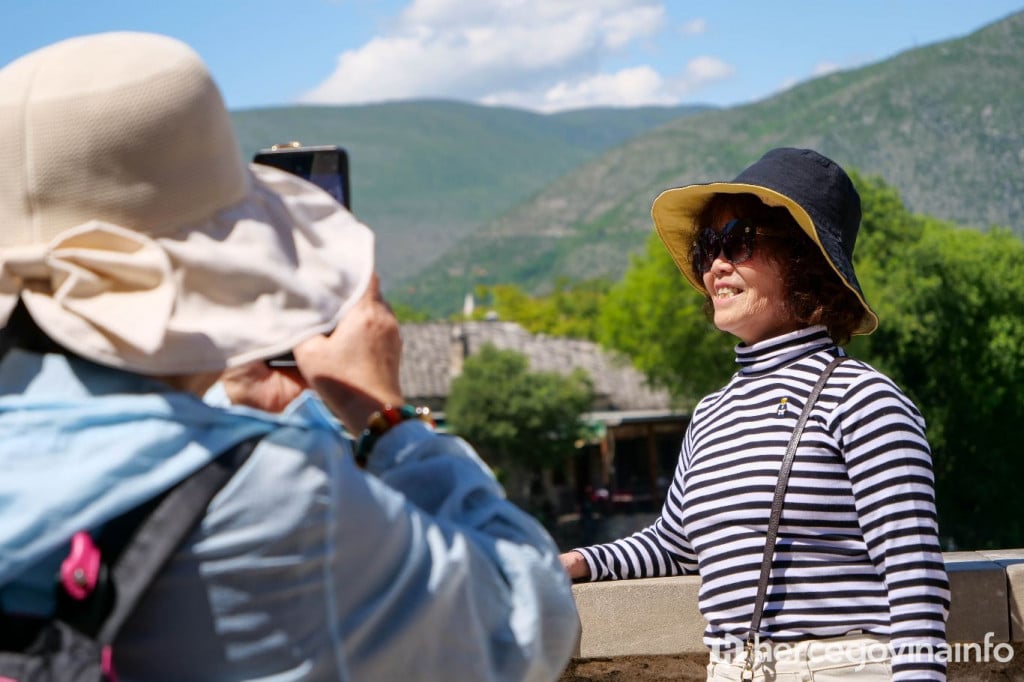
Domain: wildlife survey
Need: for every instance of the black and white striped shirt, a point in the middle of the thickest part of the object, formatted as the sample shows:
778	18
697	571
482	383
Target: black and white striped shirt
858	542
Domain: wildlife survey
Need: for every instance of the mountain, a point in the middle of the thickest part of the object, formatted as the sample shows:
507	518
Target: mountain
941	123
425	174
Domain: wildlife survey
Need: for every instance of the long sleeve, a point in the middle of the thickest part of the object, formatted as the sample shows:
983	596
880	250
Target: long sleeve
890	470
661	549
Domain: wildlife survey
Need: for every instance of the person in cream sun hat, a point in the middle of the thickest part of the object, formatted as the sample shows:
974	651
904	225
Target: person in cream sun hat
134	233
141	263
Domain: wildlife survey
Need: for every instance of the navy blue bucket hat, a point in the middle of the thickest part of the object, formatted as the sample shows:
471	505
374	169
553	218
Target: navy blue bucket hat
815	190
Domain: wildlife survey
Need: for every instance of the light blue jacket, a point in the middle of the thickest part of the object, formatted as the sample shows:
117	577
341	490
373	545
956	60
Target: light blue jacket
304	567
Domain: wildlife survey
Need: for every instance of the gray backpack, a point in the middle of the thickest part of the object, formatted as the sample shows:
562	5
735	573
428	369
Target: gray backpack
99	586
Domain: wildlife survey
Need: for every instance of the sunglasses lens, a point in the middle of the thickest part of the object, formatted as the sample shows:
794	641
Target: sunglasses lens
736	243
705	249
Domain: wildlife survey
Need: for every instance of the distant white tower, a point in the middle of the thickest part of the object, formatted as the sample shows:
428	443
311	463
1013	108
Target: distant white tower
467	306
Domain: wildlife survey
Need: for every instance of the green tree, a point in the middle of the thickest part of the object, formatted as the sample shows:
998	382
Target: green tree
951	307
656	318
570	310
952	311
522	422
407	313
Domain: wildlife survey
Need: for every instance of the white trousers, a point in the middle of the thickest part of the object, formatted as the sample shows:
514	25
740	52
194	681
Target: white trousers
853	658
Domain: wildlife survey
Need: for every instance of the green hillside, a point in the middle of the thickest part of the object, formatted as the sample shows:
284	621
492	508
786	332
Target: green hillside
427	173
942	123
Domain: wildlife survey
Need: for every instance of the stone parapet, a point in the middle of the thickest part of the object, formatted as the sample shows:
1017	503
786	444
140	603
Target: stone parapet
659	616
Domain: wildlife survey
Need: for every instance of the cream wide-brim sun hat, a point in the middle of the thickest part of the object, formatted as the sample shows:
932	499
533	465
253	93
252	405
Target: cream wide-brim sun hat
815	190
133	231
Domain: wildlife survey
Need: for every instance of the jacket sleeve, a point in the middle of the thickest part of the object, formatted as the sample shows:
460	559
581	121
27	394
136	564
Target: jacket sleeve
307	567
437	573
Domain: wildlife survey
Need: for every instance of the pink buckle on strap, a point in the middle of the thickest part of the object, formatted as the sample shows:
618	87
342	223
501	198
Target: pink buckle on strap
107	662
80	570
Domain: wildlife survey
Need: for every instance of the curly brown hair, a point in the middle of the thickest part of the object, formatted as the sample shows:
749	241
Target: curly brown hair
815	294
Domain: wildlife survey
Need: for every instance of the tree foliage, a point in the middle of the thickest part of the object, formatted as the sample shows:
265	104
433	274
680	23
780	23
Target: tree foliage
517	418
570	310
656	318
952	311
407	313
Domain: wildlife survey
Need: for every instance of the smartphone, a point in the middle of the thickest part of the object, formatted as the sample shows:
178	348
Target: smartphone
325	166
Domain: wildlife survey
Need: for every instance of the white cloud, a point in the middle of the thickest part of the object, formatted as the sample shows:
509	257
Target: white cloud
539	54
705	69
824	68
820	69
637	86
787	84
695	27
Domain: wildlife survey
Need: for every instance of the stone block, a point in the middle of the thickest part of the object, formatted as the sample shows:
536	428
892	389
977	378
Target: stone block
645	617
1012	561
979	598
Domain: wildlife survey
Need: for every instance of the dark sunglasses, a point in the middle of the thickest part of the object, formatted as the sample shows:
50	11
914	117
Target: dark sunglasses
735	242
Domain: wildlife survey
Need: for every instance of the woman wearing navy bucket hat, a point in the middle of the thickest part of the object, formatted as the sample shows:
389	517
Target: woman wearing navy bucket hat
815	535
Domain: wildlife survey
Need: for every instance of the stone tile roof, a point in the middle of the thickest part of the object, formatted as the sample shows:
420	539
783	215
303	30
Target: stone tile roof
433	352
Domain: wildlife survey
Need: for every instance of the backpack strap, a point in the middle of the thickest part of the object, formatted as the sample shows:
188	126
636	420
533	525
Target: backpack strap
164	530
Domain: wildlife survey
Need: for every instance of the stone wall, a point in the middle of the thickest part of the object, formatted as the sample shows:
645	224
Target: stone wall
651	629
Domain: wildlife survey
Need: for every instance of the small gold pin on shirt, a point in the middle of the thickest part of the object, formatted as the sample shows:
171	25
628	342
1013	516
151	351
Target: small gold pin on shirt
783	406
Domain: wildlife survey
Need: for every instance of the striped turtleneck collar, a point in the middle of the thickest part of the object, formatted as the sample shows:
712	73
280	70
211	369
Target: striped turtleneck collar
773	353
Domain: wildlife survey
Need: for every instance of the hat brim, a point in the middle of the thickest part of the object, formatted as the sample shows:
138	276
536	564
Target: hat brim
249	283
675	213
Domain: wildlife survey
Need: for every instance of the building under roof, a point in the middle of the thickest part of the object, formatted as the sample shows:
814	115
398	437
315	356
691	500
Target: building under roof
433	354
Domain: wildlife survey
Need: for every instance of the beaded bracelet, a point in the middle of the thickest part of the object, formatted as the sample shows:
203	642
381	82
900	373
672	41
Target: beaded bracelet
380	422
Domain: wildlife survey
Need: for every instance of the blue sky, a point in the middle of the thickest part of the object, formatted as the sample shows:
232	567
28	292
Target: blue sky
546	55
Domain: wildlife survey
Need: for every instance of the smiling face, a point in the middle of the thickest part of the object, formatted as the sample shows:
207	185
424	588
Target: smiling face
748	297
